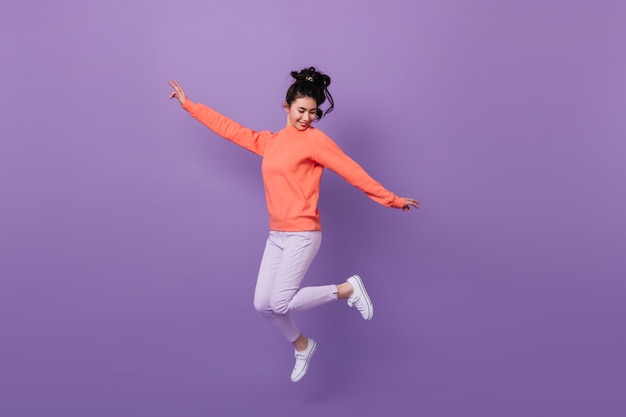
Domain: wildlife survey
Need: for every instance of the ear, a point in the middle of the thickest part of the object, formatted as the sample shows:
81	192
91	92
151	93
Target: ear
286	106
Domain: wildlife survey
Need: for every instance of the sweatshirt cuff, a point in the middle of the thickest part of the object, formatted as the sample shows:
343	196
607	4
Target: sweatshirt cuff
399	202
188	105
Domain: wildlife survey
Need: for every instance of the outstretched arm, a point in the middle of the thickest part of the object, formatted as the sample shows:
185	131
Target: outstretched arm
227	128
330	155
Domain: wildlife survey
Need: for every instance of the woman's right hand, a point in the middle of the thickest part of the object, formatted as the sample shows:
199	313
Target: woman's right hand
178	92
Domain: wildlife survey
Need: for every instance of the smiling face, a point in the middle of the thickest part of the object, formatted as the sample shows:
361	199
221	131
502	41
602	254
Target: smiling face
301	112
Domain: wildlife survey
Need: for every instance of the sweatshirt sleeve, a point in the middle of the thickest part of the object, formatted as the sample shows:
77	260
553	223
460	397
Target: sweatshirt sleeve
227	128
330	155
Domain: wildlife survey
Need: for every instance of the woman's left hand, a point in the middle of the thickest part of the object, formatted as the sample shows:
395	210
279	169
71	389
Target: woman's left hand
408	203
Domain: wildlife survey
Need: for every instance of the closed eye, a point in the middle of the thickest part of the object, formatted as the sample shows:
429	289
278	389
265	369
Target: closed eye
302	110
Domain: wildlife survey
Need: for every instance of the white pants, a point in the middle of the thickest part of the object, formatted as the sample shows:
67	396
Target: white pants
286	259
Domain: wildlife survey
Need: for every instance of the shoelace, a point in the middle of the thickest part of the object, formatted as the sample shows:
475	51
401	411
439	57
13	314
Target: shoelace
301	356
355	302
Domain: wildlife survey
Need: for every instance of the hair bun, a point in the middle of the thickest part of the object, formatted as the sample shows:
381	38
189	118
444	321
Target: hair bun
310	74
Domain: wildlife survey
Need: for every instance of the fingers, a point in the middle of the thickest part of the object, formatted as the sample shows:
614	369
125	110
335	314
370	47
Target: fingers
408	203
174	84
178	92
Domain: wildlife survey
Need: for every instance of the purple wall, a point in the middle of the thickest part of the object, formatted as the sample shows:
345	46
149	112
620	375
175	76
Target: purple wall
130	235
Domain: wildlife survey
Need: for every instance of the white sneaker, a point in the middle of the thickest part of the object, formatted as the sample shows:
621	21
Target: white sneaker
360	299
302	361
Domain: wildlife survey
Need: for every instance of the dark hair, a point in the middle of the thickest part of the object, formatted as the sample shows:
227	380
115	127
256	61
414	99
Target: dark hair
311	83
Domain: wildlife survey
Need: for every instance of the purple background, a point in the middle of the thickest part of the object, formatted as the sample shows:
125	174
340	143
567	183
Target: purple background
130	235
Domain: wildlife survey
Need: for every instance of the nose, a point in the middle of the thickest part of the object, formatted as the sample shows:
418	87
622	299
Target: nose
305	117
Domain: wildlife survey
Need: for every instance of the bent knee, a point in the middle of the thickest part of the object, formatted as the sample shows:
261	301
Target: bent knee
271	307
262	306
279	307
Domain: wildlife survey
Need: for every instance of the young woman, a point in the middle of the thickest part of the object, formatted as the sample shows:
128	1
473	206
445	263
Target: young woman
293	161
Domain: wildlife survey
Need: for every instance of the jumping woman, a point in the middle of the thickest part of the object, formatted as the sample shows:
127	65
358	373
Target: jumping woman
292	165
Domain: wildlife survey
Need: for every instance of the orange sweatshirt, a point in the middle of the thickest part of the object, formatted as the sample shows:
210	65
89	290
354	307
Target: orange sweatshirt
293	162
